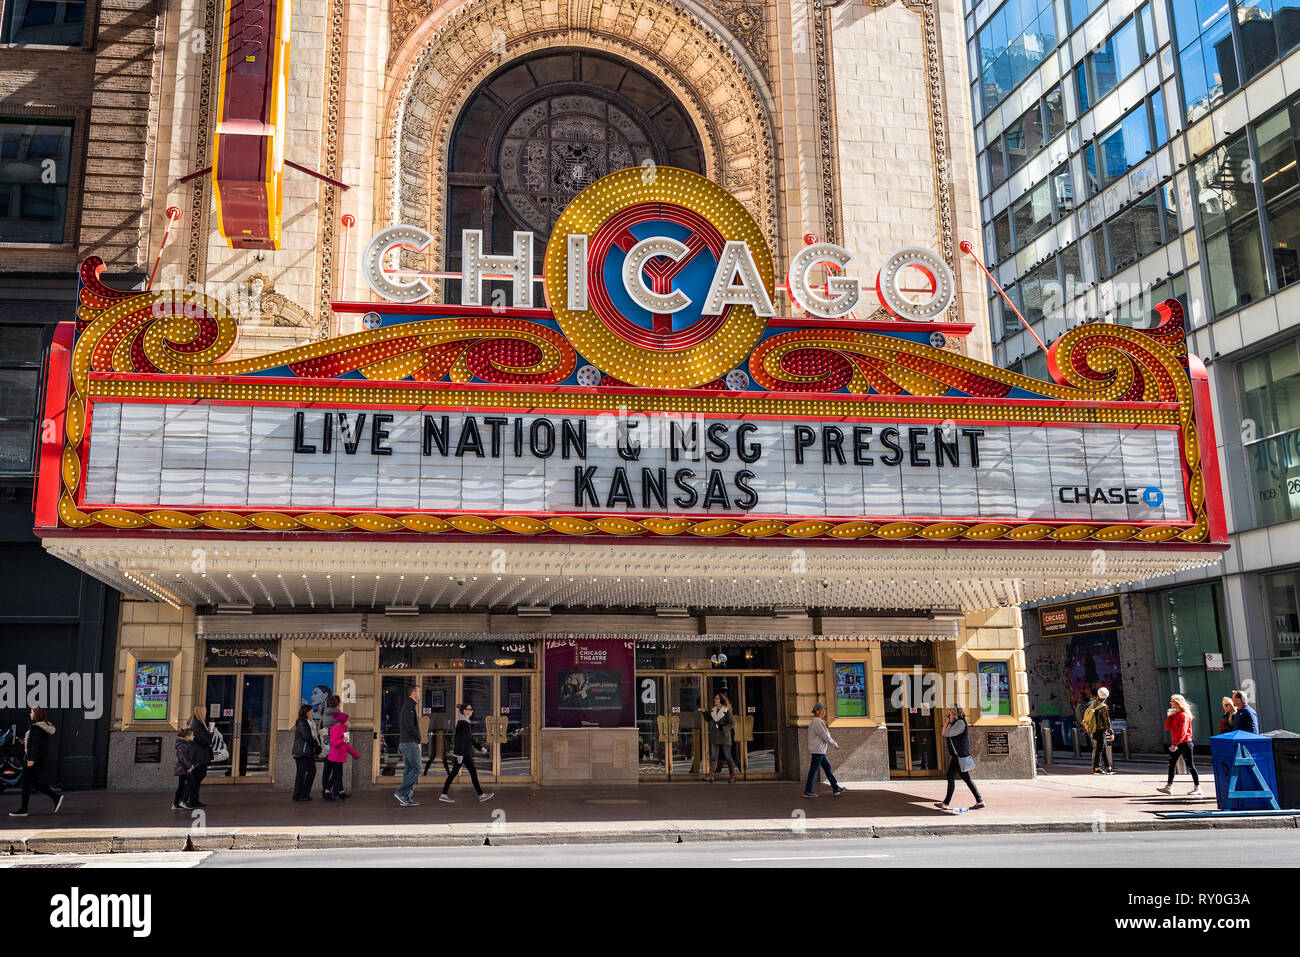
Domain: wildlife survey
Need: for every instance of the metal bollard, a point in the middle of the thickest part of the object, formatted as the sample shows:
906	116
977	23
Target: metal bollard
1075	740
1126	751
1047	742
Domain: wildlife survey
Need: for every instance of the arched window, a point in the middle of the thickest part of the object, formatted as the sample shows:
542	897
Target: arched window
540	130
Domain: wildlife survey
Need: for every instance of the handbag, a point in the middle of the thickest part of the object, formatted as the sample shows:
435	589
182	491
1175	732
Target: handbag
966	764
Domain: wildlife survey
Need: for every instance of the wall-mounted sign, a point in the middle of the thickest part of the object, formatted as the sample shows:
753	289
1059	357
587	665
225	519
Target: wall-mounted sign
241	654
657	393
1077	617
589	683
148	750
1213	661
337	459
999	742
153	682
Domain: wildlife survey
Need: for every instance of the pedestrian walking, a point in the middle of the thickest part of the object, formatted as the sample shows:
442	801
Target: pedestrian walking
36	749
1178	722
1096	721
819	739
959	758
1228	720
340	748
722	727
184	769
463	748
408	743
305	749
1245	719
202	758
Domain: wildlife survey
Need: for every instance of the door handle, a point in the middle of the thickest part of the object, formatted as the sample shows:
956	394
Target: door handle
674	725
661	723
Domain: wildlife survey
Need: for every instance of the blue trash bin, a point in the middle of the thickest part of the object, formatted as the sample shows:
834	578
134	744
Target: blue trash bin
1223	751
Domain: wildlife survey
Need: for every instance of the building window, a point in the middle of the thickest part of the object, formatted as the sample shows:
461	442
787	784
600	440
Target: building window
1024	139
1040	291
49	22
1270	406
1122	52
1284	612
1031	215
1141	229
21	350
1187	624
1080	9
1203	34
1279	179
34	160
1225	195
1011	44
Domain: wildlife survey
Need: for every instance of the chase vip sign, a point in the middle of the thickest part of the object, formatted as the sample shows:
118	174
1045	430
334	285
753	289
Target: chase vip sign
658	395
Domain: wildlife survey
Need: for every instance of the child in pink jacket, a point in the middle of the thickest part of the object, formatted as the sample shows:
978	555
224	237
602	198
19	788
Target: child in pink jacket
338	753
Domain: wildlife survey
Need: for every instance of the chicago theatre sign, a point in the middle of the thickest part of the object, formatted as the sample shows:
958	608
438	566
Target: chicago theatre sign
657	398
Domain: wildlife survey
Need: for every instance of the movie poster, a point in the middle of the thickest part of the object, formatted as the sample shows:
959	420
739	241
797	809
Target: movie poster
850	689
1092	661
152	688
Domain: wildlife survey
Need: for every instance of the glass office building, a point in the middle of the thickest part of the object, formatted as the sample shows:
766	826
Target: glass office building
1131	151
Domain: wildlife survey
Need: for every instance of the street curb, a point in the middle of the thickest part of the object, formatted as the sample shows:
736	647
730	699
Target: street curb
178	840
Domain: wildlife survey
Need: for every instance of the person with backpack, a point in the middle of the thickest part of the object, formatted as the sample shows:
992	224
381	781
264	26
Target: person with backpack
340	748
327	718
202	758
305	748
1178	722
184	769
959	758
1096	721
36	751
463	755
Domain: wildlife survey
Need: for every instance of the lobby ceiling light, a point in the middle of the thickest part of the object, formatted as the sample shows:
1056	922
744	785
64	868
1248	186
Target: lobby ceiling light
398	610
533	611
234	608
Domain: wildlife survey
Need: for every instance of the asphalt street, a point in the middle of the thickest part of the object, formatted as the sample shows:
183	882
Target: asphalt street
1176	849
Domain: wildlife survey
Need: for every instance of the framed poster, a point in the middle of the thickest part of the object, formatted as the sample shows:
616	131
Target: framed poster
589	683
995	688
317	685
153	684
850	689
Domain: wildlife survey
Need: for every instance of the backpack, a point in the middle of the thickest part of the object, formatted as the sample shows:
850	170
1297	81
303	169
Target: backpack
1090	718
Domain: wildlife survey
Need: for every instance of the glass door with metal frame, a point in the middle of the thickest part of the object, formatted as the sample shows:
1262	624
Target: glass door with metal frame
754	703
241	705
672	740
910	723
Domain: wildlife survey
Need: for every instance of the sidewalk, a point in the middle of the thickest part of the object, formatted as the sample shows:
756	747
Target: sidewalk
1067	799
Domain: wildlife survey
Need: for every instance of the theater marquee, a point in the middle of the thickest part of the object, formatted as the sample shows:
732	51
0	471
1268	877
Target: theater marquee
658	396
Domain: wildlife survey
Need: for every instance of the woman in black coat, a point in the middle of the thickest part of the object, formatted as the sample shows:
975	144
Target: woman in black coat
202	757
958	748
36	747
463	754
305	748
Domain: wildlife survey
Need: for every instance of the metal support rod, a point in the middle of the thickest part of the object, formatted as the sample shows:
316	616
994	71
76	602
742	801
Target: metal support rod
348	221
173	214
196	174
320	176
969	250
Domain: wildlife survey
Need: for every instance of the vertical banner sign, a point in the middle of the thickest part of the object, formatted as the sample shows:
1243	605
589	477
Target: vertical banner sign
589	683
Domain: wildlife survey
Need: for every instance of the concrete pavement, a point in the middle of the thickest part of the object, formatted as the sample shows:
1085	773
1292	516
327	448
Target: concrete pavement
242	817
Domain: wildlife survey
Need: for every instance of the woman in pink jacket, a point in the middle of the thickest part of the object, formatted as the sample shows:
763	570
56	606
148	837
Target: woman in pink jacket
338	753
1178	723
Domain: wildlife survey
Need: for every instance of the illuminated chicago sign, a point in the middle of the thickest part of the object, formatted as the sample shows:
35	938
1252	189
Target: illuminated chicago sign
659	394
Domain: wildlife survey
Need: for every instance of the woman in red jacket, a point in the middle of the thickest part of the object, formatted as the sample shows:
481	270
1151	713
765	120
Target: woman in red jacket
1179	725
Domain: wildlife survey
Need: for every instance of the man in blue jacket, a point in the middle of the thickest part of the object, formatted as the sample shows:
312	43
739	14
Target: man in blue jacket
1245	719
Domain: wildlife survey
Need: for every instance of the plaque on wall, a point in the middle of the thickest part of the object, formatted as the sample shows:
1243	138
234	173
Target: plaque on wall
999	742
148	750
